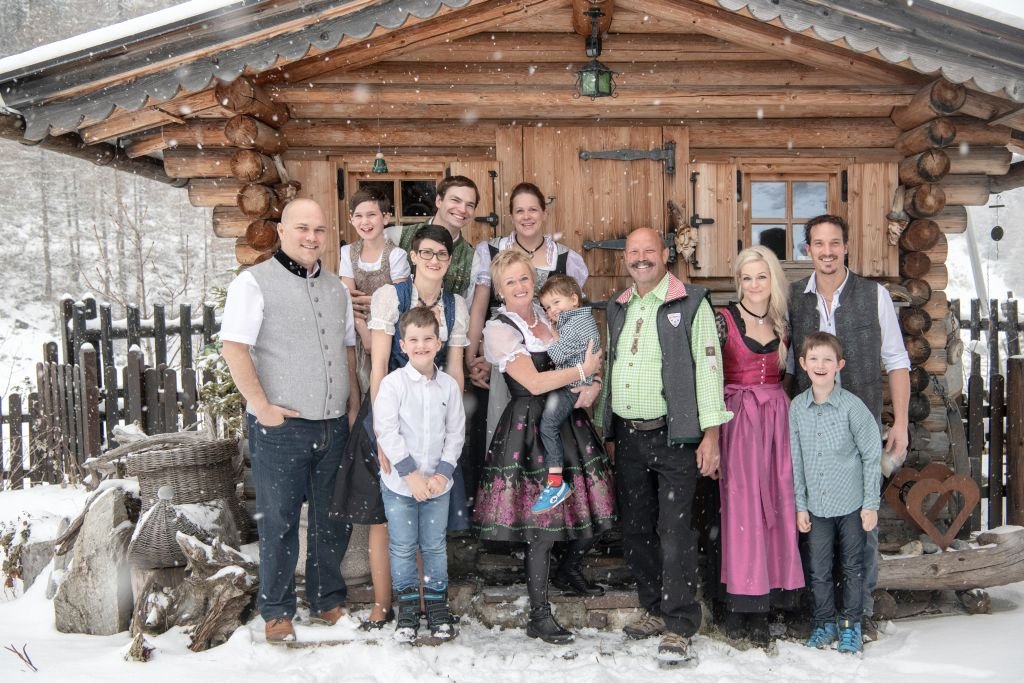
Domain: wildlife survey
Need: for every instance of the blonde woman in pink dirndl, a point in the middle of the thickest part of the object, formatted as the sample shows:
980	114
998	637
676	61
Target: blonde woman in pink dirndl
761	568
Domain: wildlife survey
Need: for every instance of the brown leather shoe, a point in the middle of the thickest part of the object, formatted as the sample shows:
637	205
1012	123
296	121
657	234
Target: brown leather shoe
328	618
279	630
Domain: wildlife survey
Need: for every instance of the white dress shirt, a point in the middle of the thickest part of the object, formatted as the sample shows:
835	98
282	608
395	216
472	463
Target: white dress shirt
894	353
420	425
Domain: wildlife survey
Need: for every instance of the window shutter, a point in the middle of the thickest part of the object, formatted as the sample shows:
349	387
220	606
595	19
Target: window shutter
871	188
716	197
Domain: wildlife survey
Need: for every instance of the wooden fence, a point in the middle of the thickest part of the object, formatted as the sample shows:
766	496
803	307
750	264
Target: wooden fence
992	408
48	435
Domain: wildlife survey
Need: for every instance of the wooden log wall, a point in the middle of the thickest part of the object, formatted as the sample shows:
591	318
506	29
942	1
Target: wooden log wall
947	165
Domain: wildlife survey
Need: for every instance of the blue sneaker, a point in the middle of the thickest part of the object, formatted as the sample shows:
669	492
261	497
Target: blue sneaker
850	640
550	497
823	635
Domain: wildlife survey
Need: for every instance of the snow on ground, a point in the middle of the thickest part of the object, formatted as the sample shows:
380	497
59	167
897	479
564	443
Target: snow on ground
962	648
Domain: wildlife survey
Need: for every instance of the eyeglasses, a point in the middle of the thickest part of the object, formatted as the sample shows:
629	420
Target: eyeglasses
428	254
636	337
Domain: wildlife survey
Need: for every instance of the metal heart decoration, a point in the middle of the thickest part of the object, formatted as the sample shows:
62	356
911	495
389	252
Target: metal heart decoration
958	483
901	484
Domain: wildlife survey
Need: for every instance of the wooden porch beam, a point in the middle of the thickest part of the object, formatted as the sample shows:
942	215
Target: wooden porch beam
1013	179
634	74
775	40
102	154
413	34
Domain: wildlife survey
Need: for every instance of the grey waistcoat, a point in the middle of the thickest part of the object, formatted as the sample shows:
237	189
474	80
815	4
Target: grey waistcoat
678	374
300	354
857	327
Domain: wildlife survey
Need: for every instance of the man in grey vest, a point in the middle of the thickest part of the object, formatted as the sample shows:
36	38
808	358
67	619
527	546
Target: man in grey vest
860	312
661	411
289	342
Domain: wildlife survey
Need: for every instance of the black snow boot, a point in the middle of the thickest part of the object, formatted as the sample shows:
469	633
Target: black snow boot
439	616
408	615
543	625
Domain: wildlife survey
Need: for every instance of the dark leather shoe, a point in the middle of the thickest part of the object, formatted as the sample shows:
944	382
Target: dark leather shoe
571	580
543	625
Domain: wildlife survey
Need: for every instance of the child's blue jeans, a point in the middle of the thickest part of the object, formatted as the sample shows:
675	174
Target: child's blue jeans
821	543
415	526
557	408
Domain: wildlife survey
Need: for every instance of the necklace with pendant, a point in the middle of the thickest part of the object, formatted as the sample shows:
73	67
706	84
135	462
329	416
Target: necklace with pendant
529	252
760	318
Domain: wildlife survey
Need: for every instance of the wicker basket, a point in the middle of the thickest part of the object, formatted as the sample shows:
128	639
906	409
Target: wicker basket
198	470
154	544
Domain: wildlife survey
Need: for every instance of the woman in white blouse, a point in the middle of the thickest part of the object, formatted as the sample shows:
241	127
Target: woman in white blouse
514	471
547	257
357	494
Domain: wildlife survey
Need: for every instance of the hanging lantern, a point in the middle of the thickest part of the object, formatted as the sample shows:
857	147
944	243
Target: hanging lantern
379	164
595	80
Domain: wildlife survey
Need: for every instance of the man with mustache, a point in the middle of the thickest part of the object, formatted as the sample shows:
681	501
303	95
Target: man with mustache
860	313
662	409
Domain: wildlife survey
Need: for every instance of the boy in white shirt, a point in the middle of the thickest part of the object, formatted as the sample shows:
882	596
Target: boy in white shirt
420	425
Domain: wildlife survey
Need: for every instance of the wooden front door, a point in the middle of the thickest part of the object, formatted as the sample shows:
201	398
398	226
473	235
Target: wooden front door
598	199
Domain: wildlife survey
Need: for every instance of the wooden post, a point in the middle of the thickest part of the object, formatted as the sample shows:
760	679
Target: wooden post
185	335
249	133
975	435
133	388
1015	440
169	400
997	411
111	414
159	335
134	324
249	166
994	366
106	339
36	450
242	96
929	166
189	399
924	201
940	98
261	235
937	133
921	235
89	404
975	336
67	307
1012	328
17	467
151	393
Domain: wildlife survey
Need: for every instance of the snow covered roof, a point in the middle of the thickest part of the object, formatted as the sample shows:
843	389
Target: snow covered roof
932	38
39	91
57	88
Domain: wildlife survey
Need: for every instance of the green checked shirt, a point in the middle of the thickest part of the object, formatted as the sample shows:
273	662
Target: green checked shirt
636	378
836	448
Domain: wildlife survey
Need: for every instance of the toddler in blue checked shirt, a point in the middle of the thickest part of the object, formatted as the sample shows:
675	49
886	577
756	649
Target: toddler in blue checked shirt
561	297
836	449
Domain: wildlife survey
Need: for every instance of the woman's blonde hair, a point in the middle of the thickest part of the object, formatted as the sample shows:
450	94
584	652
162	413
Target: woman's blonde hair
777	301
505	259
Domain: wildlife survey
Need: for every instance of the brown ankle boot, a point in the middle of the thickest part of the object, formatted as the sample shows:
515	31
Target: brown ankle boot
279	630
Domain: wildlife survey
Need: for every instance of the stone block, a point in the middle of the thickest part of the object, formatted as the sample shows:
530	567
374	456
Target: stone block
96	595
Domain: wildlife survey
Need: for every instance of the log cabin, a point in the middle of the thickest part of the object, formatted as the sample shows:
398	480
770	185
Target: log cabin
728	123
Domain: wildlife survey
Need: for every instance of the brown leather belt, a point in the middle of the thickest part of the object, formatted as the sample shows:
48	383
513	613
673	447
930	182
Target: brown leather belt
644	425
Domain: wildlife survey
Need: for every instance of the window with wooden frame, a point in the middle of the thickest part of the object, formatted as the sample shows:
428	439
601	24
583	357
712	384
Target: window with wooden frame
778	204
412	198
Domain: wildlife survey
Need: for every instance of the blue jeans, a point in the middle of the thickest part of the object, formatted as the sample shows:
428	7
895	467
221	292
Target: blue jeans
414	526
557	409
294	461
821	542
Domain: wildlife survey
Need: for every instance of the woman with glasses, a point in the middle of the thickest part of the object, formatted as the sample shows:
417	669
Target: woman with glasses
357	493
515	472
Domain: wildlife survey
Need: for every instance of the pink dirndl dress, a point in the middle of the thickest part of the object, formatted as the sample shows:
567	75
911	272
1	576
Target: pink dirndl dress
760	558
